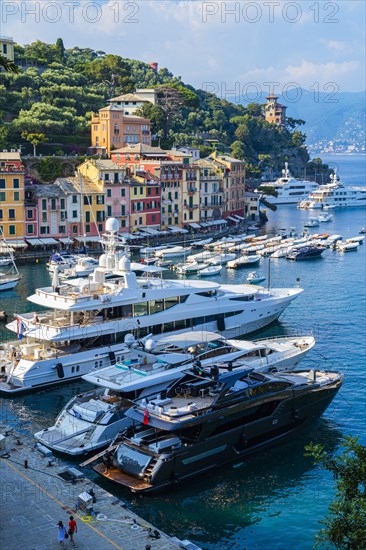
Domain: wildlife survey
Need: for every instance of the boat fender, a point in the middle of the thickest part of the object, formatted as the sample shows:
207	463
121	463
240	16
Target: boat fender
60	370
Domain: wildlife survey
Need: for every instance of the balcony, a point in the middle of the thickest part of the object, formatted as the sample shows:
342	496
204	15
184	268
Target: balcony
191	206
192	189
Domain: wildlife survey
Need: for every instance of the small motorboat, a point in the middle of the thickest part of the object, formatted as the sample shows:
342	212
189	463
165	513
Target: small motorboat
210	270
243	261
255	277
326	217
192	267
312	222
357	239
305	253
362	230
347	247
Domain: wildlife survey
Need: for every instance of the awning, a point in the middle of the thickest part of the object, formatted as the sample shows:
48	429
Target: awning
149	231
48	240
233	219
204	224
239	217
128	236
218	222
17	243
65	240
34	242
88	239
175	229
195	225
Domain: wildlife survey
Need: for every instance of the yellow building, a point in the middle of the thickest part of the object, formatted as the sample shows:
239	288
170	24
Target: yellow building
274	112
12	197
7	47
92	208
234	182
112	129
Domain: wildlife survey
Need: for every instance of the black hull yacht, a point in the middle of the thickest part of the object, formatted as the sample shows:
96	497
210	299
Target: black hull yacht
208	419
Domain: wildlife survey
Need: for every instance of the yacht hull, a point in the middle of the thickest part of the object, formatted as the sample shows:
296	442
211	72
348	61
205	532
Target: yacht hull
246	438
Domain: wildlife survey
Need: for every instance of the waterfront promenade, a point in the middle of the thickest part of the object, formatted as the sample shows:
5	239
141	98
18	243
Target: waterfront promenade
35	499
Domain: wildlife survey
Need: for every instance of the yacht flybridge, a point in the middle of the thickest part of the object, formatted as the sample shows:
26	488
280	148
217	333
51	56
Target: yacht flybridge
90	318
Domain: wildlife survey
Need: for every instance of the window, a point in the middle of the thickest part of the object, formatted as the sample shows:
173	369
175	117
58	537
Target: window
74	213
74	228
2	197
62	229
109	193
5	49
123	192
1	214
109	211
88	200
141	190
44	204
16	183
87	228
62	204
11	229
11	214
45	230
74	199
30	229
2	183
123	210
16	196
106	177
100	199
100	216
87	217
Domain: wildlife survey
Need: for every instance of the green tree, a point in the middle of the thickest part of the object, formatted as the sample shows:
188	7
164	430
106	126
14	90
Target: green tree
156	115
8	65
345	525
60	51
113	71
35	140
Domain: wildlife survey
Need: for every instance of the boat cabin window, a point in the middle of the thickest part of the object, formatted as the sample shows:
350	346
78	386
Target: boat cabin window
131	461
267	388
207	294
244	298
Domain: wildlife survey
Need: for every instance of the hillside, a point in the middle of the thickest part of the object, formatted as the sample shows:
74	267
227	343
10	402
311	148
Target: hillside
57	89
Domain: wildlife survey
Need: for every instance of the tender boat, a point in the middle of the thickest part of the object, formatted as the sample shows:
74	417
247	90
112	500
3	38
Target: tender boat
191	267
312	222
62	260
10	278
211	270
255	277
172	252
325	218
208	419
243	261
91	420
347	247
93	316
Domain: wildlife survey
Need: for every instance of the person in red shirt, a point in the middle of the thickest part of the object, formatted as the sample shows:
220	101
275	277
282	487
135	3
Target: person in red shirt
73	528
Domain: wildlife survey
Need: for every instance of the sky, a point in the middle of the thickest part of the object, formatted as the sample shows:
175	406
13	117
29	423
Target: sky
229	48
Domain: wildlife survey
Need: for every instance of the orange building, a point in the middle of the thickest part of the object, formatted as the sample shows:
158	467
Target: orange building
274	112
112	129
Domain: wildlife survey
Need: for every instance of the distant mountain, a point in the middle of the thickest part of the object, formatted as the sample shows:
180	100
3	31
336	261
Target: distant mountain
329	116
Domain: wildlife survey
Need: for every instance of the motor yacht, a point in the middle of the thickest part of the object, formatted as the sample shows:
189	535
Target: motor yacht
85	322
91	420
335	194
208	419
289	190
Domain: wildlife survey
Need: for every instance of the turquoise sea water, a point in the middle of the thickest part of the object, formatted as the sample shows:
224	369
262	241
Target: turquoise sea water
273	500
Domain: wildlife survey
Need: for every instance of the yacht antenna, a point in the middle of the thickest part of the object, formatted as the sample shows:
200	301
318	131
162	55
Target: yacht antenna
269	272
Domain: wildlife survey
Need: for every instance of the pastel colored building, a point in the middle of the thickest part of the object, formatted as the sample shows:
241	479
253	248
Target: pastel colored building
112	129
212	203
145	197
114	181
12	198
274	112
233	171
7	47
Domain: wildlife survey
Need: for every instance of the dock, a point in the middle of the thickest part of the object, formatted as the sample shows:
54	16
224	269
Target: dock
34	498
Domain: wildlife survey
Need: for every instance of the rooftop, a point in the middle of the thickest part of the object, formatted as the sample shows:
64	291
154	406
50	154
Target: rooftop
10	155
141	148
128	97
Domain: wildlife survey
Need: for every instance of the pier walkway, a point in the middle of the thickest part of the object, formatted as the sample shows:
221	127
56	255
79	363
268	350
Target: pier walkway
34	499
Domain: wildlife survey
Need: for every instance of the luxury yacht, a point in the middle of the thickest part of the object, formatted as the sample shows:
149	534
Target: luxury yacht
90	318
93	419
289	189
335	194
184	433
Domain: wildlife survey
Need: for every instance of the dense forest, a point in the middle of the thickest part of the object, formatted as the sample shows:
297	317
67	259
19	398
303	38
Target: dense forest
56	90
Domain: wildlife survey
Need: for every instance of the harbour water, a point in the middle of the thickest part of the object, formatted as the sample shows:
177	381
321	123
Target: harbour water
275	499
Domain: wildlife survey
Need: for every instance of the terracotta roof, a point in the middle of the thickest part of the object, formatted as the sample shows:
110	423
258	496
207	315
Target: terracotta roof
141	148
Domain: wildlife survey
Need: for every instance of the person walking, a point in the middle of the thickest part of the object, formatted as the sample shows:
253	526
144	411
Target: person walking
73	528
61	534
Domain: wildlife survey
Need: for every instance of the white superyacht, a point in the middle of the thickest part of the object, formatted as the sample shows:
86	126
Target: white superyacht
289	190
87	320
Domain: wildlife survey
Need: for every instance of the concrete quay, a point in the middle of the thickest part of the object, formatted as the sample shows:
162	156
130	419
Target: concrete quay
34	499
